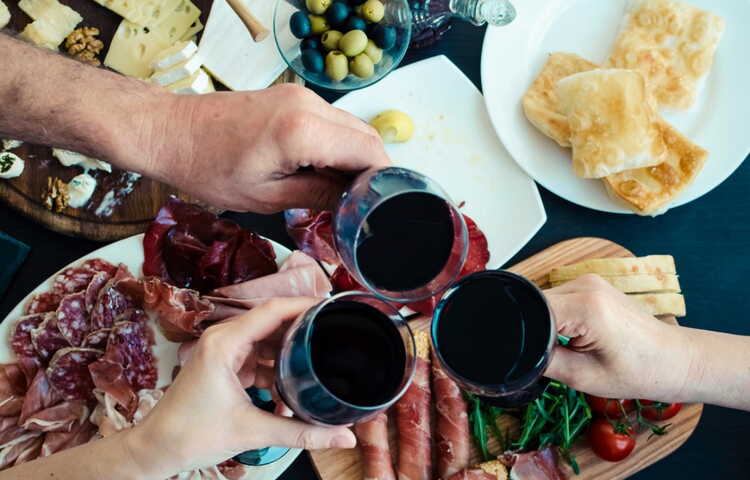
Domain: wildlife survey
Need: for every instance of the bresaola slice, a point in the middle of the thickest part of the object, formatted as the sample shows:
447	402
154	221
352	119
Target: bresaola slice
73	319
68	372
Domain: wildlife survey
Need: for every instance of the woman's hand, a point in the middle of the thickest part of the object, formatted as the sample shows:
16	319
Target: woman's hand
206	417
244	150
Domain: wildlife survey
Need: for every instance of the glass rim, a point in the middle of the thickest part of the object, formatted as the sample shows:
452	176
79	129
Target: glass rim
500	389
410	365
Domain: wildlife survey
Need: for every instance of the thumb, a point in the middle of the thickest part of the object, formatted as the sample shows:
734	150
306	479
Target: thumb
313	190
288	432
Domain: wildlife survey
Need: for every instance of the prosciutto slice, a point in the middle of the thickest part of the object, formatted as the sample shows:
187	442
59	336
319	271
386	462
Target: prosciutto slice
62	417
312	232
536	465
12	390
372	437
58	441
413	419
39	396
17	447
493	470
452	437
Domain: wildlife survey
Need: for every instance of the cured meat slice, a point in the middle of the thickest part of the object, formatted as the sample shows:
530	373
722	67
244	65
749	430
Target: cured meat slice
55	442
72	318
59	418
413	419
536	465
181	311
94	287
111	301
9	430
231	469
11	451
372	437
452	437
97	339
29	366
40	395
47	338
42	303
100	265
492	470
12	390
72	280
31	451
20	337
307	279
312	232
68	372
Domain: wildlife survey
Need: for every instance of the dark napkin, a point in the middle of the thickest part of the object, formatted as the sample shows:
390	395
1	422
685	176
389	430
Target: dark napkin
12	255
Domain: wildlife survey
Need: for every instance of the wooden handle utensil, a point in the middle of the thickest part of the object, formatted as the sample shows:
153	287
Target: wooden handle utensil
257	30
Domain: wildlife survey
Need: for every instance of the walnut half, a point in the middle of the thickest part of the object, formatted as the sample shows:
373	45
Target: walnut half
83	45
55	197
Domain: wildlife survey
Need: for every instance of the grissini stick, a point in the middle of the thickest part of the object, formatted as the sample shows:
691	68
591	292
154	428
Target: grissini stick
257	30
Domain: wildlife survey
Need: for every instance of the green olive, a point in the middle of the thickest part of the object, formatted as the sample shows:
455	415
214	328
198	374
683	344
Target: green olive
318	24
318	7
353	43
393	126
372	51
373	11
336	66
362	66
330	39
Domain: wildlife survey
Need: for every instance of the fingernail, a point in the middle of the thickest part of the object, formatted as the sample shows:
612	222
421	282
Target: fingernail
342	441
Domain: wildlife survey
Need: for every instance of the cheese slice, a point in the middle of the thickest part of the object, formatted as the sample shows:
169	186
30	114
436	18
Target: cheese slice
53	22
37	8
173	55
211	88
4	15
68	158
178	72
197	83
194	29
175	25
133	48
141	12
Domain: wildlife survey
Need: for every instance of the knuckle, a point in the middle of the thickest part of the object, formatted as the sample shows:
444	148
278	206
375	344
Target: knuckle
306	440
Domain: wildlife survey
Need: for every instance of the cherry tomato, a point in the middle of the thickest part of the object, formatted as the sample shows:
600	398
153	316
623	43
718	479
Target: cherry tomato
609	407
656	411
609	442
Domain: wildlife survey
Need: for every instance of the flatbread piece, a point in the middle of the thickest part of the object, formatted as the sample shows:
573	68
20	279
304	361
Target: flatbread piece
651	264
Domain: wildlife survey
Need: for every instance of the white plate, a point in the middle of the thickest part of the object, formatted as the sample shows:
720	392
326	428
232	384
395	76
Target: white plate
129	251
512	56
454	144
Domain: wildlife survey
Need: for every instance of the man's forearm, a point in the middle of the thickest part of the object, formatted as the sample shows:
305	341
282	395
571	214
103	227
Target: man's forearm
50	99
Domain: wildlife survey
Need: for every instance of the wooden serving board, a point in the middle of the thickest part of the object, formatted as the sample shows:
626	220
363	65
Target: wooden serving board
138	207
346	464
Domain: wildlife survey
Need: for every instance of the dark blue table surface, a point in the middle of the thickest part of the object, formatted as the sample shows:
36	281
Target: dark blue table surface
707	237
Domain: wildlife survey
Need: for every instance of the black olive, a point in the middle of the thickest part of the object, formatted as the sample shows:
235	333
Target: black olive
355	23
312	59
337	13
310	42
384	36
299	24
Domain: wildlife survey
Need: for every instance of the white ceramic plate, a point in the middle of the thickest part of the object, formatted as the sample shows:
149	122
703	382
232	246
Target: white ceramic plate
130	252
512	56
454	144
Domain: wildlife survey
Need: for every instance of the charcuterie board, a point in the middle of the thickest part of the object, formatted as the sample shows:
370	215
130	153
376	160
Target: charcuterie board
137	207
346	464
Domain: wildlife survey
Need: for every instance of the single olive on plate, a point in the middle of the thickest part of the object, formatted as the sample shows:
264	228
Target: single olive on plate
362	66
393	126
373	11
353	43
336	66
372	51
312	59
384	36
337	14
355	23
318	7
309	43
330	39
300	25
318	24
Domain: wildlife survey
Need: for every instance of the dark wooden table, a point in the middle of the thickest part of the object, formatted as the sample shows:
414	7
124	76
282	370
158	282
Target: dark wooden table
708	238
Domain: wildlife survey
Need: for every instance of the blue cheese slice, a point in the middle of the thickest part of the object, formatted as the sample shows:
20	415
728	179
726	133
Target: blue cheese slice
173	55
11	165
68	158
5	15
80	189
178	72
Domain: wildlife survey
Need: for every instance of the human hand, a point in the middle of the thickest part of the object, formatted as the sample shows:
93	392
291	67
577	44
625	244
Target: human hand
205	417
616	350
243	150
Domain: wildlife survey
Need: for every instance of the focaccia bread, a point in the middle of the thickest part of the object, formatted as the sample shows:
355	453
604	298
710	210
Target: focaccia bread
651	265
661	303
649	190
612	120
672	44
540	101
639	283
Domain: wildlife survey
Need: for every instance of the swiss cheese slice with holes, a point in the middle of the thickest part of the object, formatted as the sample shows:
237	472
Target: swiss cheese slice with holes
672	44
4	15
652	265
639	283
612	120
661	303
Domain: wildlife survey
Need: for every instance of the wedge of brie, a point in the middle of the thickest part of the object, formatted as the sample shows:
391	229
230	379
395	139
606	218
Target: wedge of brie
68	158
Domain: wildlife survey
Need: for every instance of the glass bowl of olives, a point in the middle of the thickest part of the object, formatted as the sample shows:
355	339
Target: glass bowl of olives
342	44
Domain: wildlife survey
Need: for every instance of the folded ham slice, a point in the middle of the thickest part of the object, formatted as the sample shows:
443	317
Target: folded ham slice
452	437
413	419
372	437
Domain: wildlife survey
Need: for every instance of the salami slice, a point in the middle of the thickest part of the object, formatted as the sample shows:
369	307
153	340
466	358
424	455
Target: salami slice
47	338
94	287
100	265
129	344
20	338
110	304
42	303
72	319
68	372
72	280
97	339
